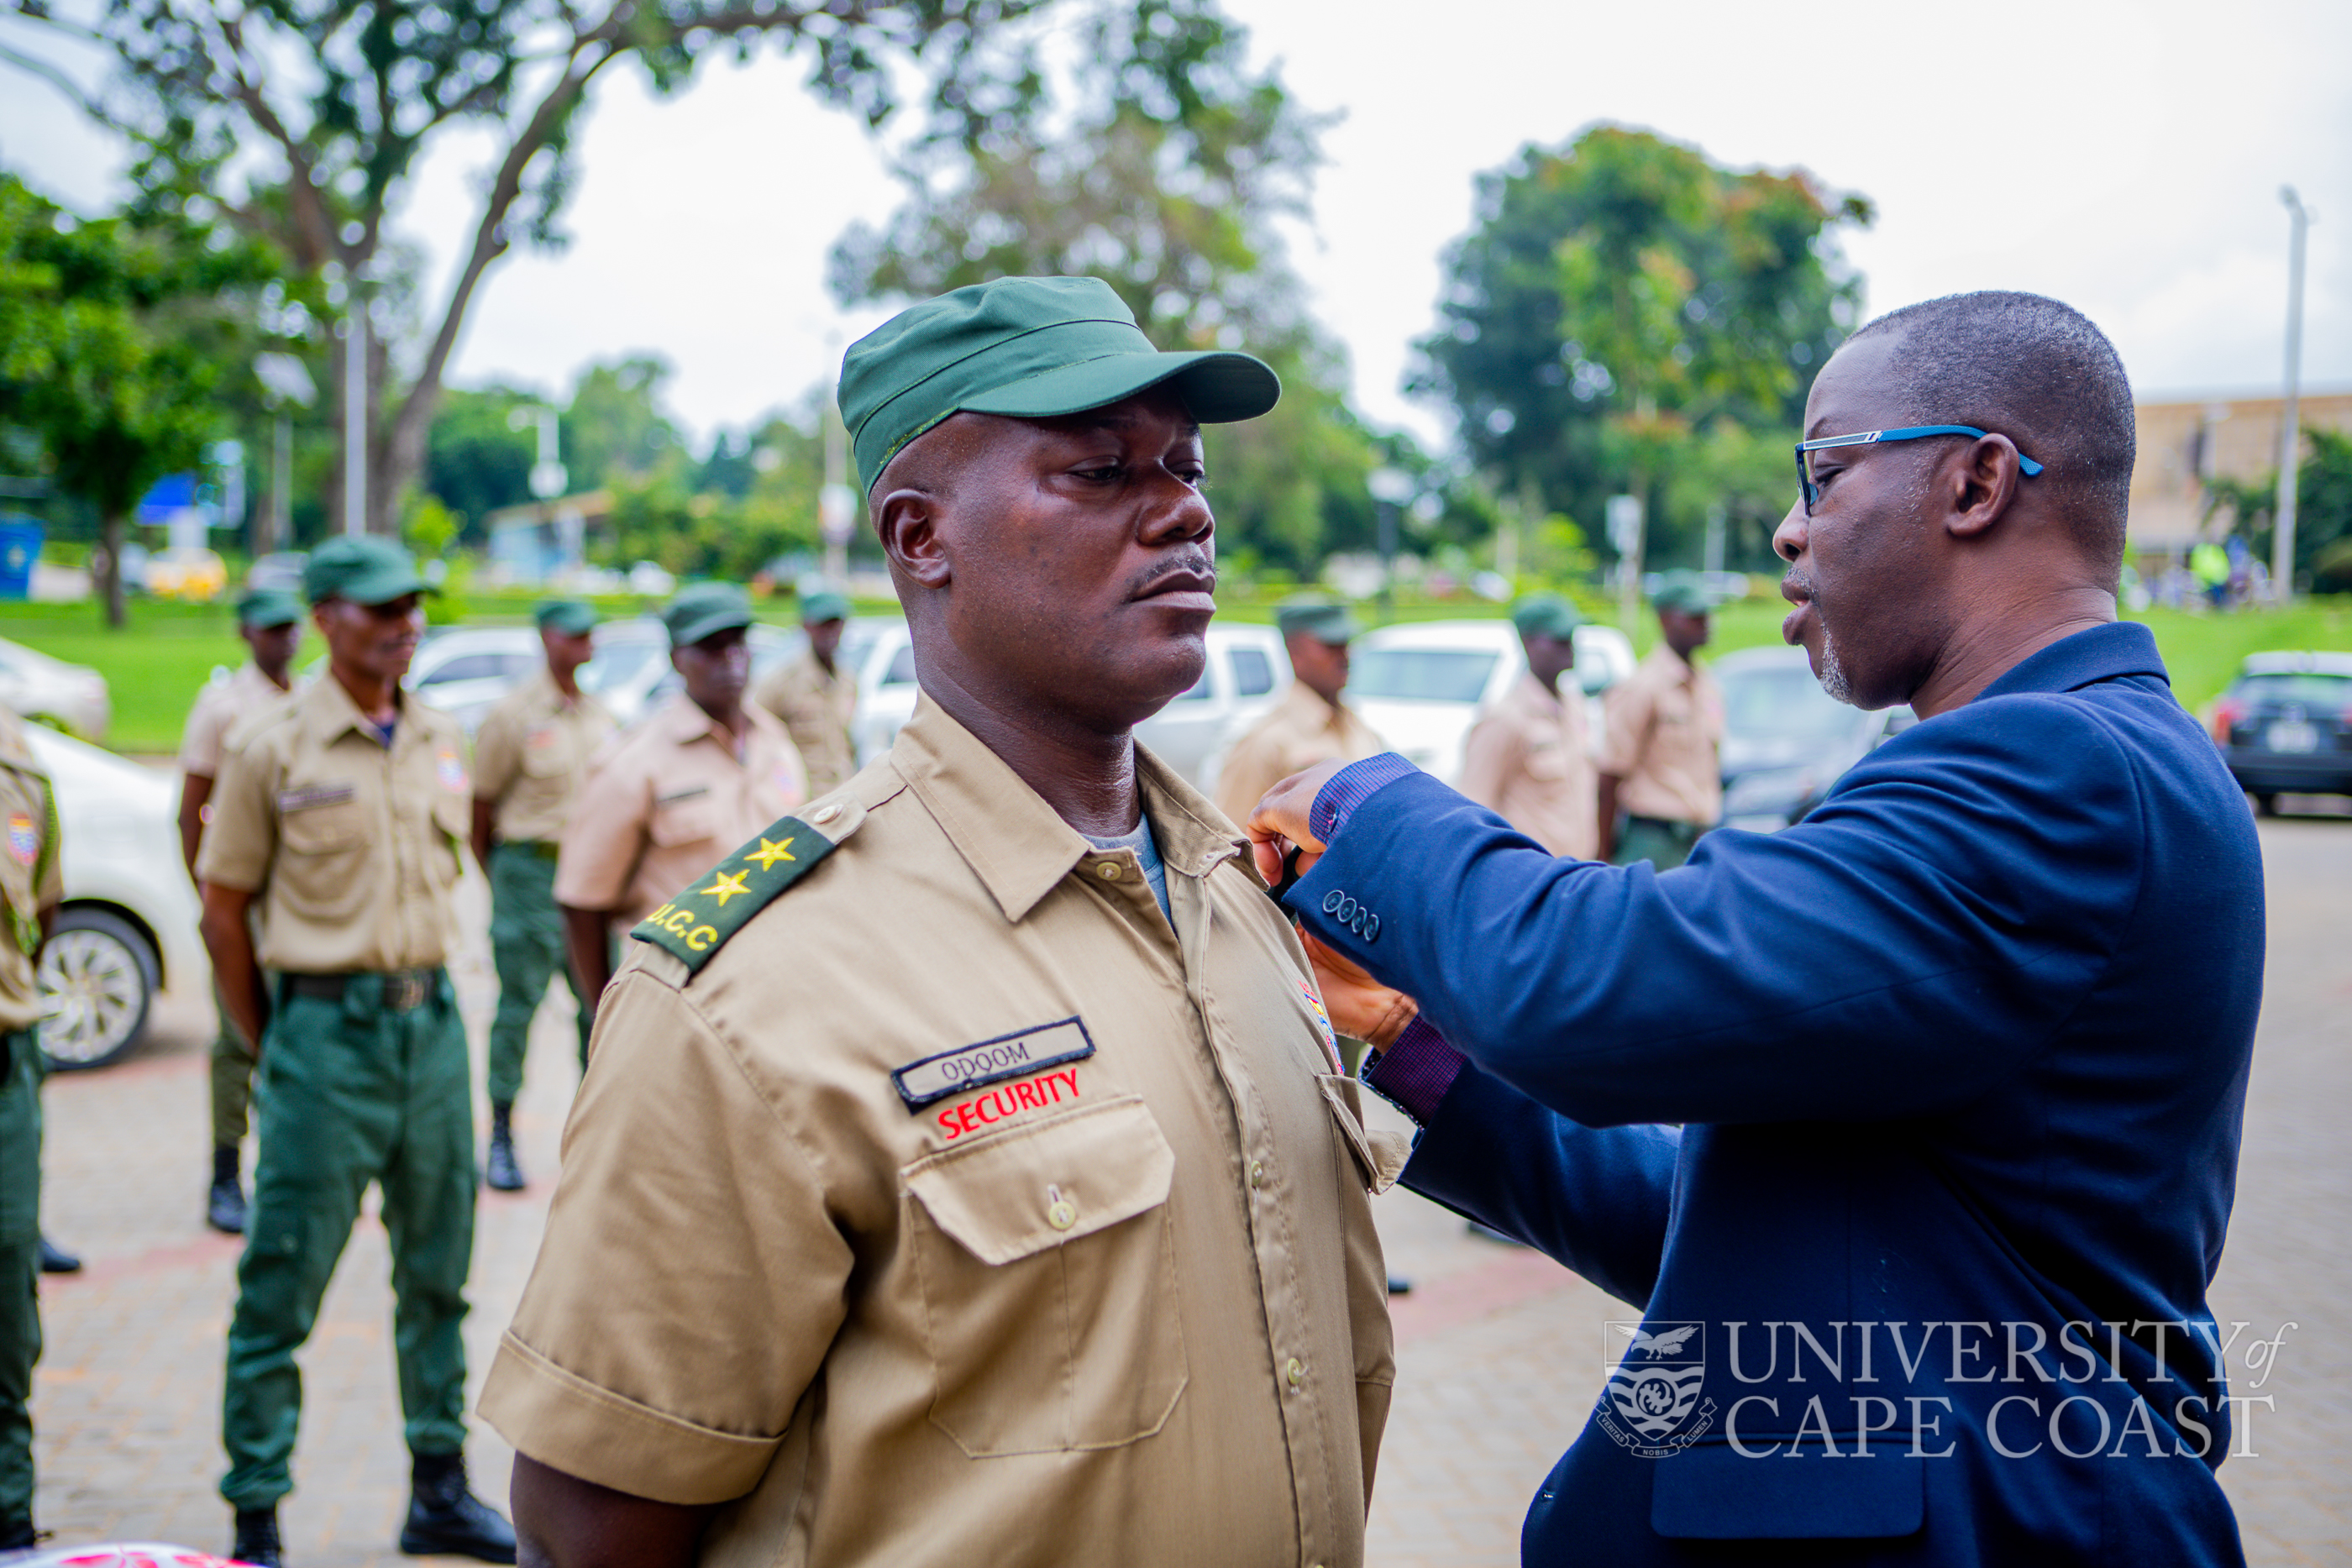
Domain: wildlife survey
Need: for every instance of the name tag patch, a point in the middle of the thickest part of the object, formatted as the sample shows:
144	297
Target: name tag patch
1015	1055
309	797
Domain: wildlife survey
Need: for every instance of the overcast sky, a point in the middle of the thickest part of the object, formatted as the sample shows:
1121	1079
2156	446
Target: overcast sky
2126	159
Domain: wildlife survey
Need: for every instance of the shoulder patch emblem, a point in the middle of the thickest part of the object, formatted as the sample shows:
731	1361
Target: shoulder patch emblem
715	905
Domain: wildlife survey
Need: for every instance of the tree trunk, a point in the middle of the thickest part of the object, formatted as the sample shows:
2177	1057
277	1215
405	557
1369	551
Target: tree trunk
109	535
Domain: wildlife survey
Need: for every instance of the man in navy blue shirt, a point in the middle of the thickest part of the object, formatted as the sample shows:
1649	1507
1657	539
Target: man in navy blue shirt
1911	1130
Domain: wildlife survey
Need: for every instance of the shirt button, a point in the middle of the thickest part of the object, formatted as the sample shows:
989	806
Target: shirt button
1257	1173
1061	1214
1108	871
824	814
1294	1371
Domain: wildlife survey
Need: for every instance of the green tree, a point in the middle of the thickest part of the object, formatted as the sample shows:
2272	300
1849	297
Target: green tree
116	339
476	461
1622	297
303	119
1161	164
616	426
2323	510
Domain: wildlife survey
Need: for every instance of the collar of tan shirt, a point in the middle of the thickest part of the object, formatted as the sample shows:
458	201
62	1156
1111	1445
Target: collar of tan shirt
1313	710
327	711
1012	839
684	722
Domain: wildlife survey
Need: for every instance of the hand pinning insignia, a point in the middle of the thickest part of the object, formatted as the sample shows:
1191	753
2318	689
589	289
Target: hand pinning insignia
770	851
728	884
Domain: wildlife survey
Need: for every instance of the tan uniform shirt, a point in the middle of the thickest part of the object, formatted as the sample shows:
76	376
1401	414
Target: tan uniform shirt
529	754
1298	732
219	708
30	877
817	705
354	846
667	800
1525	761
1666	735
1121	1304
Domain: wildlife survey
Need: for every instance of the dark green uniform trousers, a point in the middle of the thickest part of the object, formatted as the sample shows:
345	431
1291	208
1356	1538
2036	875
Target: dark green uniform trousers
349	1093
1664	844
20	1269
527	941
232	1069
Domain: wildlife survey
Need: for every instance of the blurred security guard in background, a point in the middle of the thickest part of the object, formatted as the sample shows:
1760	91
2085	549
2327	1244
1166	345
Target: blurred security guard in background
674	794
343	812
529	758
270	622
815	696
30	885
1310	724
1661	768
964	1178
1525	759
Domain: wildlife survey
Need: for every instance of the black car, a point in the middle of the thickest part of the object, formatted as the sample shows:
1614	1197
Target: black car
1786	740
2285	727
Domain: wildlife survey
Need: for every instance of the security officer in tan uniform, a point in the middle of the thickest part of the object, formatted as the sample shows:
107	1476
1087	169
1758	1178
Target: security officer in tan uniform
1525	759
1661	768
676	792
1310	724
964	1176
343	813
529	756
270	622
30	887
815	696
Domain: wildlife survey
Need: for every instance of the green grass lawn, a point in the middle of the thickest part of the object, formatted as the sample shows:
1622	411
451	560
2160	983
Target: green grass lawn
155	665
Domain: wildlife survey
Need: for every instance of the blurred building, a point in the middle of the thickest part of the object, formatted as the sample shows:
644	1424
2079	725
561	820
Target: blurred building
2182	445
543	543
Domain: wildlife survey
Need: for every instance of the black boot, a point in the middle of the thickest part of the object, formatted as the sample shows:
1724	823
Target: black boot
445	1519
225	1204
503	1175
256	1538
18	1536
56	1259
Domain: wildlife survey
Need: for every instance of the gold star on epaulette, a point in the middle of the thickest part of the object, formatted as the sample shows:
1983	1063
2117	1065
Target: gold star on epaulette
768	852
728	884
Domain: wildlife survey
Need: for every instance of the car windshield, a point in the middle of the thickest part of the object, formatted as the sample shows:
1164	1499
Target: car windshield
617	661
1419	674
1780	704
901	672
2302	691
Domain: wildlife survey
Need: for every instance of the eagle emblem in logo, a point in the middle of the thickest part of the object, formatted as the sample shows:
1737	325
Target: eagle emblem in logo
1651	1404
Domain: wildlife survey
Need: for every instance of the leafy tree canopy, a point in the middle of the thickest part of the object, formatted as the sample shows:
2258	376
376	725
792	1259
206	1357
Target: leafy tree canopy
2323	510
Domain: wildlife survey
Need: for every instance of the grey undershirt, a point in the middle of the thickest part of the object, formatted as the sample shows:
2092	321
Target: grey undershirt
1155	871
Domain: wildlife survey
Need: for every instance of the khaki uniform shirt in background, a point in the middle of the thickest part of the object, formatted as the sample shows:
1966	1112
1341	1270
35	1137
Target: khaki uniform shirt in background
353	846
1525	761
220	707
1128	1308
1664	740
31	879
1298	732
529	754
817	705
666	801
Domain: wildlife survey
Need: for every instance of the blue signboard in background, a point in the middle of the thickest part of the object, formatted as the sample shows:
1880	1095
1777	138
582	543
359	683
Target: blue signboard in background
20	547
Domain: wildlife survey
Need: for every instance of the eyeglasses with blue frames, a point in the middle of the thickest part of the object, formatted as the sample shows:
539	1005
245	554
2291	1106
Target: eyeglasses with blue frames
1812	492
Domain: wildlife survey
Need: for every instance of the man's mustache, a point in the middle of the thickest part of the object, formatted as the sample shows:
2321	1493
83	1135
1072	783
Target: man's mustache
1186	562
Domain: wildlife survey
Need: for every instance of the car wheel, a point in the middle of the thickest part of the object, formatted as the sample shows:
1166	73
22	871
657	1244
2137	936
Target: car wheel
97	980
2266	804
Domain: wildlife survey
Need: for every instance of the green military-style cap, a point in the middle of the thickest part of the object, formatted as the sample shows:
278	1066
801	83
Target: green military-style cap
821	606
1544	615
1684	590
1033	348
261	608
1311	615
703	610
361	568
573	617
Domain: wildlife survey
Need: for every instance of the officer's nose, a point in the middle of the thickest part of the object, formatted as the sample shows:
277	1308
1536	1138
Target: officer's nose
1790	539
1177	512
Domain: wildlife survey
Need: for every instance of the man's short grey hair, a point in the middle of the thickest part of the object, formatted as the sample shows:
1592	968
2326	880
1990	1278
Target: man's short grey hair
2037	372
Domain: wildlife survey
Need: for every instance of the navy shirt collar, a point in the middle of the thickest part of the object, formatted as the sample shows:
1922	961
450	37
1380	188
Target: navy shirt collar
2101	653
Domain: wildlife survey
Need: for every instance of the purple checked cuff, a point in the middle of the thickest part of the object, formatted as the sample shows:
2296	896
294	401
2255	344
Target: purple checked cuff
1414	1073
1350	788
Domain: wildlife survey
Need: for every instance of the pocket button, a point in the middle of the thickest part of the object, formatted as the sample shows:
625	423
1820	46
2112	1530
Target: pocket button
1294	1371
1061	1214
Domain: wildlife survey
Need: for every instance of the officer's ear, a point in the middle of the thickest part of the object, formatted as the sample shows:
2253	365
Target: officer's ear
906	519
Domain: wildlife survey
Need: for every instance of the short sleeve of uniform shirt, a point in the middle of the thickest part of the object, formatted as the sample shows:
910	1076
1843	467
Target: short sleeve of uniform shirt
208	724
241	834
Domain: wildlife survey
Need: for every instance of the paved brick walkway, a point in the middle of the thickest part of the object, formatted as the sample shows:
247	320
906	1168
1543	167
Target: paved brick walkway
1501	1352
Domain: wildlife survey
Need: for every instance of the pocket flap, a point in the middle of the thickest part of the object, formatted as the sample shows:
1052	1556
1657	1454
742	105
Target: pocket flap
1052	1180
1710	1491
1380	1155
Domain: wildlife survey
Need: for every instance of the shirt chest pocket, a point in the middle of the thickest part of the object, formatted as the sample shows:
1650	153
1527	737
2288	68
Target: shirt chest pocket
684	815
549	752
1047	1269
323	831
1547	760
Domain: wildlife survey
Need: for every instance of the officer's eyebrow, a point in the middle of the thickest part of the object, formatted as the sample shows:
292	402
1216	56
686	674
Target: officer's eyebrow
1116	418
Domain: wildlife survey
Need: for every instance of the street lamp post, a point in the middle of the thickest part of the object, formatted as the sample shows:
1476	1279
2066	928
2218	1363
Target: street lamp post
1391	488
2291	417
355	418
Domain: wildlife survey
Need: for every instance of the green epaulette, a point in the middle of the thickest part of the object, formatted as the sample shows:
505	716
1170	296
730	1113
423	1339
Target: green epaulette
715	905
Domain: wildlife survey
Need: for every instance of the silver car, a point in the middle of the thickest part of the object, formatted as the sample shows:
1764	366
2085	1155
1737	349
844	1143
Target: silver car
68	697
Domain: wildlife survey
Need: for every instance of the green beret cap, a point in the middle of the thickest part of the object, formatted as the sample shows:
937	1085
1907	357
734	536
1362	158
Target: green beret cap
1325	620
706	607
364	568
1544	615
262	607
1684	590
821	606
1033	348
573	617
